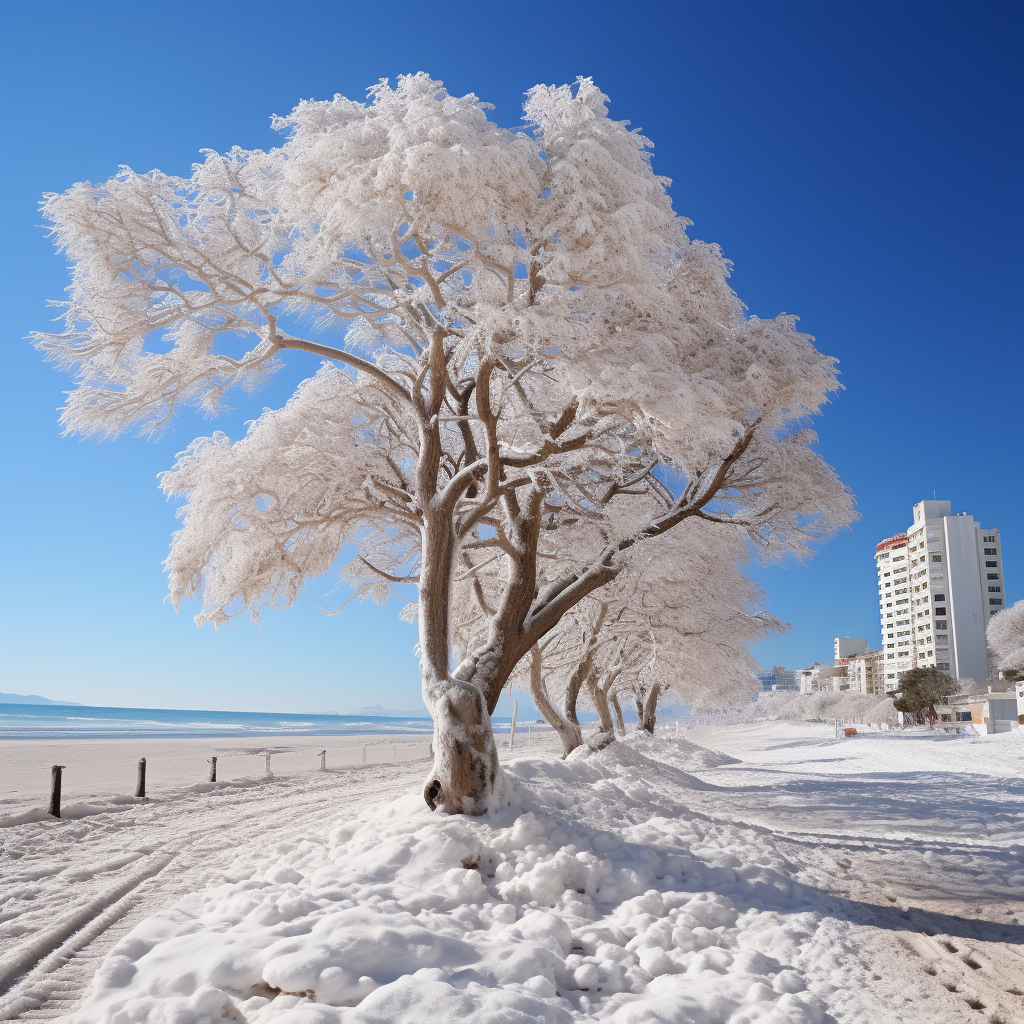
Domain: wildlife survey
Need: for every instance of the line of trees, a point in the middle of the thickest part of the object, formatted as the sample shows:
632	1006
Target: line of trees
538	402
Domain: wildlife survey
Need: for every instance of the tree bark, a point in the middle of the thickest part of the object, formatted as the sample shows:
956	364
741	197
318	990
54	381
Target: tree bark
650	708
599	695
569	732
638	696
572	691
466	772
617	708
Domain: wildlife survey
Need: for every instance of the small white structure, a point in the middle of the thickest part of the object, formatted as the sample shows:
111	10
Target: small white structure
985	713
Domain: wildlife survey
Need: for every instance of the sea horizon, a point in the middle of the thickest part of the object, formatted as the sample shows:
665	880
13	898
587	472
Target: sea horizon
81	721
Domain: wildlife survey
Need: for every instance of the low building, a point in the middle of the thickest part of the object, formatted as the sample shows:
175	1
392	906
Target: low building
866	673
986	713
778	678
823	677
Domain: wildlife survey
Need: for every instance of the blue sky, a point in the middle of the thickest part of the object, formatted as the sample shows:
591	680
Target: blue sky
859	163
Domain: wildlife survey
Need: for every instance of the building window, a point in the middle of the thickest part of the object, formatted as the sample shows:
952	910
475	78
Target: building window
988	565
940	624
940	611
990	551
992	575
890	645
936	558
995	590
995	600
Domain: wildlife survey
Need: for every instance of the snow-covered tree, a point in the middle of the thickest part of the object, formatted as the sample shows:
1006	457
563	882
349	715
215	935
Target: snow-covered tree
1005	636
676	622
521	350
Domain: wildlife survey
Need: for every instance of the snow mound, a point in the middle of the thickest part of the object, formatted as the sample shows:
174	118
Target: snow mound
820	706
70	812
594	896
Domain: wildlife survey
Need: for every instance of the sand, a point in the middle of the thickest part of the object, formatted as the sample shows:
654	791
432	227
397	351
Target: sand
107	767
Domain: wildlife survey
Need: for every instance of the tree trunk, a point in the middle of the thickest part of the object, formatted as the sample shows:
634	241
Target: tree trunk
569	733
650	708
572	691
599	695
638	696
466	773
617	708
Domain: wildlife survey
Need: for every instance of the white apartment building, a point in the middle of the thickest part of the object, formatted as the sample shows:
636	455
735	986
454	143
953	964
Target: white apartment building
847	646
866	672
938	585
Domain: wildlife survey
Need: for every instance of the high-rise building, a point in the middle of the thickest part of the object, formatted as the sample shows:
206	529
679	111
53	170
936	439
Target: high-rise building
845	647
938	584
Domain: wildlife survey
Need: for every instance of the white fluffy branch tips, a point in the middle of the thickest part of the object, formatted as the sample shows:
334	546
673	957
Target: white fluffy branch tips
536	375
1005	636
270	512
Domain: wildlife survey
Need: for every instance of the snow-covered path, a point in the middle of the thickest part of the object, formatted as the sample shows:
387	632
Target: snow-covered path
875	879
917	835
71	889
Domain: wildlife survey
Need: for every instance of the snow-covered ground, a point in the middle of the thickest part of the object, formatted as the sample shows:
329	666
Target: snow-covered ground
781	875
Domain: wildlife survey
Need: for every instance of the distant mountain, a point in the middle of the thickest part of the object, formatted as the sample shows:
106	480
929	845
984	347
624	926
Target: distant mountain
379	711
34	698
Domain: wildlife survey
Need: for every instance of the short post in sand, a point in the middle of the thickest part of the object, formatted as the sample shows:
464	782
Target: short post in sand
140	778
213	769
323	760
512	734
364	754
266	754
54	807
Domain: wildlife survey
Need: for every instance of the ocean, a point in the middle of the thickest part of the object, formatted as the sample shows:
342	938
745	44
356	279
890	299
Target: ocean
56	722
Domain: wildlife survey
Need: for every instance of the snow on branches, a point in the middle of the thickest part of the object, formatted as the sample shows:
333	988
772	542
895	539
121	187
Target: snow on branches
1005	636
527	364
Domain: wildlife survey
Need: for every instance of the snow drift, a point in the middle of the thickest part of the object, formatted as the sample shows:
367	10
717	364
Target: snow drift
823	705
594	896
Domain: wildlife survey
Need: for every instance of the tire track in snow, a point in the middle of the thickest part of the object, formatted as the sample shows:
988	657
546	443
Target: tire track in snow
51	974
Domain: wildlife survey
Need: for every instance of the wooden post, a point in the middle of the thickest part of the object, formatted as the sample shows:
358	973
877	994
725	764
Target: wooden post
323	760
213	769
54	807
140	778
512	734
267	755
364	754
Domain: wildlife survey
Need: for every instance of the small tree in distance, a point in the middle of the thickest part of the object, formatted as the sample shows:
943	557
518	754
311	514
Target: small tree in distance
522	354
921	689
1005	636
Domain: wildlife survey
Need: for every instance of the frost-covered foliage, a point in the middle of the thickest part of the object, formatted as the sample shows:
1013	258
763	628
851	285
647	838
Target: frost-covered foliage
675	625
525	356
1005	636
822	706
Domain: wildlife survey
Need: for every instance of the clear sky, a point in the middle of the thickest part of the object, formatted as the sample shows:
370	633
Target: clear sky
860	164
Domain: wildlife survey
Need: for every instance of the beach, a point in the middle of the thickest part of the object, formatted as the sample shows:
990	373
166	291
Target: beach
731	879
100	769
